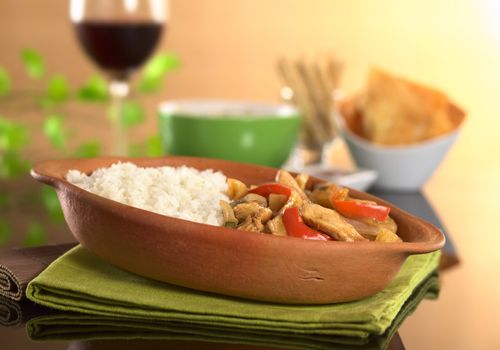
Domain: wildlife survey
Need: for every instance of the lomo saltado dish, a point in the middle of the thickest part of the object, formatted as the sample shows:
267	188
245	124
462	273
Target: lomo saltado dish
286	208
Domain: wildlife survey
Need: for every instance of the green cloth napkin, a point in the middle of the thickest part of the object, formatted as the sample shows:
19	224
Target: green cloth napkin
91	327
81	282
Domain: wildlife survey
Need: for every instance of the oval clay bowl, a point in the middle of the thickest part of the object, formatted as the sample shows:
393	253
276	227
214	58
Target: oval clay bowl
227	261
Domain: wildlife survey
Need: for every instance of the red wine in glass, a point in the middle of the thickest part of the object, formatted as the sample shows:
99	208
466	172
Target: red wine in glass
119	48
119	36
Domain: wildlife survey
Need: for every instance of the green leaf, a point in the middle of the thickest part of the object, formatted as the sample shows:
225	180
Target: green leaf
154	146
58	89
53	128
12	164
155	71
136	150
5	232
51	204
4	82
13	136
33	63
35	235
88	150
95	89
132	114
4	199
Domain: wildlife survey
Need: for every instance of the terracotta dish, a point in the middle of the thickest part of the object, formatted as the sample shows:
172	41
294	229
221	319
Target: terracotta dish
227	261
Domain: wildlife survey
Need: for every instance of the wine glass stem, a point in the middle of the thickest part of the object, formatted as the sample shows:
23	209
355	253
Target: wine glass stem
119	90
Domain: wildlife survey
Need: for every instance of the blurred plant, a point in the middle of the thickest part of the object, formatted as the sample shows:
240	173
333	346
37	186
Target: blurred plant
57	91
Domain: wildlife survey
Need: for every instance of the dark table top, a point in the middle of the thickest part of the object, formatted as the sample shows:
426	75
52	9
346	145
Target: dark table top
16	337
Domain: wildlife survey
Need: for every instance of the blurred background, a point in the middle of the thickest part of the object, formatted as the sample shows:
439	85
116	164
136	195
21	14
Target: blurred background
228	49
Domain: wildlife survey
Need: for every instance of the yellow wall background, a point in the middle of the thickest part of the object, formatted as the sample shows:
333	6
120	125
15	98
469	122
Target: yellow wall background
229	47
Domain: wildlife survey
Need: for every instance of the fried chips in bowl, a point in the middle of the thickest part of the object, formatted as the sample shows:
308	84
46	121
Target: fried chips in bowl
400	128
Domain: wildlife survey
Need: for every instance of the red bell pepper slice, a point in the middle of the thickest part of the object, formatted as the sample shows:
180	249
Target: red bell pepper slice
266	189
357	209
295	227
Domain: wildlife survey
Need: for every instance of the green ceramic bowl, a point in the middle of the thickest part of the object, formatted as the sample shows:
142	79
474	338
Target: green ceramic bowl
249	132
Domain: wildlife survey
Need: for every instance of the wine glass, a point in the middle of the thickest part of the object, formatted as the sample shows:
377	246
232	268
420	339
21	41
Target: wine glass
119	36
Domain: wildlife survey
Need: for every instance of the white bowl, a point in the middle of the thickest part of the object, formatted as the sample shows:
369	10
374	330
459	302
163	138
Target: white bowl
400	168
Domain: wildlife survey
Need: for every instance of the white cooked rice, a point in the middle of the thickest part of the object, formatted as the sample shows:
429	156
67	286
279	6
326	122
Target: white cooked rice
182	192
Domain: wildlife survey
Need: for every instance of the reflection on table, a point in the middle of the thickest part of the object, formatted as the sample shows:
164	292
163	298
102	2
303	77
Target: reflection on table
82	331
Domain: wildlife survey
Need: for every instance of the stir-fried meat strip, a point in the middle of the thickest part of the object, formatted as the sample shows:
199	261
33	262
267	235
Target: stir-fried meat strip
329	222
370	228
323	195
389	224
293	201
252	197
236	189
244	210
264	215
301	181
252	216
277	201
251	224
276	226
388	237
285	178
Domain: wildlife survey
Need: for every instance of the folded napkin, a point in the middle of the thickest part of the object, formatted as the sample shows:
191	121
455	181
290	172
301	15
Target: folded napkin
91	327
19	266
81	282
